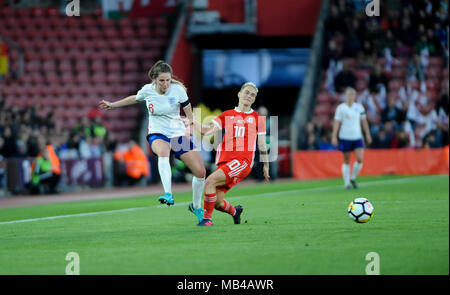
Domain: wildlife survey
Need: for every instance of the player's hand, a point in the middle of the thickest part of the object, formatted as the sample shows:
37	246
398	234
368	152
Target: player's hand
185	121
334	142
105	105
266	172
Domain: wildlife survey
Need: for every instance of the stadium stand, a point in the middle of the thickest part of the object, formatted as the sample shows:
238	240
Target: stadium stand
414	72
72	63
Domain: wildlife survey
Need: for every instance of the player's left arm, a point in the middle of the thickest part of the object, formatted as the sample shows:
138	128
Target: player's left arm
264	155
365	126
187	108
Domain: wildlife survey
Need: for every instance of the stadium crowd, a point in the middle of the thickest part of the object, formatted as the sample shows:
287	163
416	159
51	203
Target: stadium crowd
23	132
397	62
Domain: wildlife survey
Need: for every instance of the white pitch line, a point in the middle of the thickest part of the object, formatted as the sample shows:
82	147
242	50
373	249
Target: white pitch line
305	190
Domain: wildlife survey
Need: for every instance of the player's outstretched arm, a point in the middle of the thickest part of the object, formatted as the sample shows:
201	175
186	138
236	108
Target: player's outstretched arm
107	105
264	156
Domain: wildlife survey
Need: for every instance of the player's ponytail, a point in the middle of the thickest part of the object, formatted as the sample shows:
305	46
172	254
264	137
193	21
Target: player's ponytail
162	67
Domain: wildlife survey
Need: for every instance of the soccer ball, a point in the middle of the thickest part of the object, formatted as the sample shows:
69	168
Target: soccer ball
360	210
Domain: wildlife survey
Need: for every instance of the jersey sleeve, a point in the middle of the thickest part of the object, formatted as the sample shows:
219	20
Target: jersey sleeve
219	121
362	112
142	94
338	114
182	95
261	125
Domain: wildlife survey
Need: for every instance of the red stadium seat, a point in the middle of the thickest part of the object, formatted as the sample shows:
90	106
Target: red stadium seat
114	66
435	61
131	66
322	109
398	73
432	84
433	72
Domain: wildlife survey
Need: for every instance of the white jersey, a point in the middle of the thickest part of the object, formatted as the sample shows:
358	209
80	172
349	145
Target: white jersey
351	120
164	109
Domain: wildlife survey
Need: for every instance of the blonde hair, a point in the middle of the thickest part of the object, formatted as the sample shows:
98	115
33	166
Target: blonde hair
249	84
162	67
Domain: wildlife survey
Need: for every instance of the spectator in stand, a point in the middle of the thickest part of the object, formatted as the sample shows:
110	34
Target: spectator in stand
377	78
392	114
332	55
344	79
402	50
368	56
335	22
406	33
381	140
10	146
352	42
388	42
416	71
309	141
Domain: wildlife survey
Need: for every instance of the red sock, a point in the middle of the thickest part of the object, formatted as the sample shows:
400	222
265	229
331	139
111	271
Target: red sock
227	207
208	205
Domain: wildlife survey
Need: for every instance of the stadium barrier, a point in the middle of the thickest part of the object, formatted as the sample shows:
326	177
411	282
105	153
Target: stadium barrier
327	164
74	172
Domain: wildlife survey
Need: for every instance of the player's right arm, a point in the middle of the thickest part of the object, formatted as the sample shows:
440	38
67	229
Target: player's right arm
205	129
107	105
336	125
334	136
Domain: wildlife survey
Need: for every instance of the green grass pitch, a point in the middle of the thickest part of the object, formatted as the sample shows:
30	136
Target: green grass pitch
295	228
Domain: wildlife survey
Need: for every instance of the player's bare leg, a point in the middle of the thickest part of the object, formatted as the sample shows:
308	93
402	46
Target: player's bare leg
162	149
346	170
216	179
357	166
194	162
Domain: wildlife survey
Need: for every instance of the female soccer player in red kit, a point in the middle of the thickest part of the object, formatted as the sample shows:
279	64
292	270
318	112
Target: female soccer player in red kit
234	158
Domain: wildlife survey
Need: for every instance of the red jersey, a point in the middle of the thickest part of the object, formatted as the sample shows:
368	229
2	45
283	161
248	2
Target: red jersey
241	132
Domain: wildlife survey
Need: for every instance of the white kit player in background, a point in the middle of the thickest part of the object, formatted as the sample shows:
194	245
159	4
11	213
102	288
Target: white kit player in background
166	133
348	119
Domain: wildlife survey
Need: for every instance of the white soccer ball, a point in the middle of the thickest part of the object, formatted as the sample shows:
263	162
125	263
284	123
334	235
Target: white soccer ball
360	210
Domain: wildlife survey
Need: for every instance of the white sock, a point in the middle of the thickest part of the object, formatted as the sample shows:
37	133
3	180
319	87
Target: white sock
346	174
356	168
165	172
198	184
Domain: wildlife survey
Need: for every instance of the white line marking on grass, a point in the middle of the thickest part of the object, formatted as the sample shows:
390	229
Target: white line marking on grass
304	190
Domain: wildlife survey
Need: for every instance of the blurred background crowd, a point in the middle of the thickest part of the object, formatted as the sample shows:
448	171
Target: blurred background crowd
398	63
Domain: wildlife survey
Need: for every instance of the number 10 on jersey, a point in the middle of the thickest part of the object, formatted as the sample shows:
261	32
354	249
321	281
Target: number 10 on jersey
239	131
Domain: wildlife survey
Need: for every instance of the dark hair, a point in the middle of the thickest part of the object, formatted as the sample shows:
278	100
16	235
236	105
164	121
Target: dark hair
162	67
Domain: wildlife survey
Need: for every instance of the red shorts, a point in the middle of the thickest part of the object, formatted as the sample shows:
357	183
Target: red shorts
235	171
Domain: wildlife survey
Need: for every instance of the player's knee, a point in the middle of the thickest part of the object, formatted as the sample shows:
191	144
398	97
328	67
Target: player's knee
200	172
210	183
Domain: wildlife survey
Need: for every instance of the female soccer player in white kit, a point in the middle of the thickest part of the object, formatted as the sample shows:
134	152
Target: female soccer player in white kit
348	119
166	132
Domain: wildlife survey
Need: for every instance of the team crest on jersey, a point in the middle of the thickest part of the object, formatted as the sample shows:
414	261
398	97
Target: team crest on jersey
172	100
250	120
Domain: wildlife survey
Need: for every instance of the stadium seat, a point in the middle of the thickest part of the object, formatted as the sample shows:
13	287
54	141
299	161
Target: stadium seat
398	73
322	109
432	84
433	72
435	61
